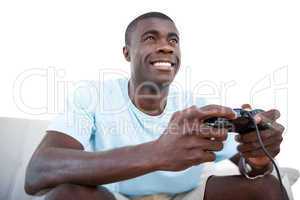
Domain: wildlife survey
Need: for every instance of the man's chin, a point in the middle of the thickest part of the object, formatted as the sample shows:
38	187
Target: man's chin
162	81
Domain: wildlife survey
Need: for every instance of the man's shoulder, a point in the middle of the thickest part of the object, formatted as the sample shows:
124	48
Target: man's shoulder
97	87
92	93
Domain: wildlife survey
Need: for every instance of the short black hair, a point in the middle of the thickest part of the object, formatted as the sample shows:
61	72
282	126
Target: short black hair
132	25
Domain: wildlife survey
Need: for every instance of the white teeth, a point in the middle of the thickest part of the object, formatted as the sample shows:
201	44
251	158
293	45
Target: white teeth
163	64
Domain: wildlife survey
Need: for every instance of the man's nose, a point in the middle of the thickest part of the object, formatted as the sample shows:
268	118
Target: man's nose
165	48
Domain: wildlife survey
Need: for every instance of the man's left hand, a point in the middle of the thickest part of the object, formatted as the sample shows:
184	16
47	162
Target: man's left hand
250	147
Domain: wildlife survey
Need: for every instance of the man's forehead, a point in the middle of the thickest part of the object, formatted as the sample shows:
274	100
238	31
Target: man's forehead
158	24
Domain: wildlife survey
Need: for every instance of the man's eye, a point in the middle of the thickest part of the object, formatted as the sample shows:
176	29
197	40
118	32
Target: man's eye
150	38
173	41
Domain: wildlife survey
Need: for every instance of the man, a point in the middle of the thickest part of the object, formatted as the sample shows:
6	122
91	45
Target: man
142	137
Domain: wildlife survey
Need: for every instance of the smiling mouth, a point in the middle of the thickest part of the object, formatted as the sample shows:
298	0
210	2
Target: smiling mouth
163	65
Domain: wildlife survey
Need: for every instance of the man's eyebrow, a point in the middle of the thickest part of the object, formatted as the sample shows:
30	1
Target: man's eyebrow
156	32
173	34
152	31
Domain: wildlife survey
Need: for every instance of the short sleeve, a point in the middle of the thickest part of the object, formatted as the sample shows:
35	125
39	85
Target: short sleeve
229	150
78	119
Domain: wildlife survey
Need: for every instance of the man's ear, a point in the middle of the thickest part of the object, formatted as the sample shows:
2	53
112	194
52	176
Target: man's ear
126	53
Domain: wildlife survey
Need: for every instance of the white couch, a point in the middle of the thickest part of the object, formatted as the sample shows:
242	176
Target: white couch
19	138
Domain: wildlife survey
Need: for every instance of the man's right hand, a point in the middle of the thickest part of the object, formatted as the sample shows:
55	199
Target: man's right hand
187	141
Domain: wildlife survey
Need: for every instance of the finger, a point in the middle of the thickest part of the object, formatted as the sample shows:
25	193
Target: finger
256	145
258	154
176	117
191	113
246	107
217	134
194	142
274	131
209	145
272	149
276	127
252	136
198	156
211	111
267	117
190	127
208	156
184	121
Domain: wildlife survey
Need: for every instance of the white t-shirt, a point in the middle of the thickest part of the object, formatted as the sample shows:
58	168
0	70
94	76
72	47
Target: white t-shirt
101	116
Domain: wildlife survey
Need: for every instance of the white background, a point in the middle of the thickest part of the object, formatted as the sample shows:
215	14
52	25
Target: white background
255	44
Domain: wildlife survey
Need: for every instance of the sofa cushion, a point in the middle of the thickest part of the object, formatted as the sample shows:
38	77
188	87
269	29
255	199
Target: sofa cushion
19	138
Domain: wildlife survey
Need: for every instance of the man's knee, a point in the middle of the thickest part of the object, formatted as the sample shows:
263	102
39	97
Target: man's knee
238	187
268	188
74	192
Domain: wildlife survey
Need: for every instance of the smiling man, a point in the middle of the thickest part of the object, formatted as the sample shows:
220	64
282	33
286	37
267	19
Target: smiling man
144	138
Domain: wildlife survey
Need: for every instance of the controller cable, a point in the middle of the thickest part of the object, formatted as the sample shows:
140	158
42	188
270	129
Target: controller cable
283	193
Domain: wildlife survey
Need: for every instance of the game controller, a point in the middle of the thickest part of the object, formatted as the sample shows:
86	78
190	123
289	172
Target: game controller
242	124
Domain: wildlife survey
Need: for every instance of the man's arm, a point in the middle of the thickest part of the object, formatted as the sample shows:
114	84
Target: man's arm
60	159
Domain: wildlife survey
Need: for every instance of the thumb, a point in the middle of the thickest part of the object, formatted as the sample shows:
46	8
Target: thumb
257	119
248	107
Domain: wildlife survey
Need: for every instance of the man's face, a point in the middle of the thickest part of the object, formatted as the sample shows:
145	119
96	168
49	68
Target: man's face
154	51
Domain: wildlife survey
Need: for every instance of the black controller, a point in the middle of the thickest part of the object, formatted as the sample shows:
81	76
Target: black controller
242	124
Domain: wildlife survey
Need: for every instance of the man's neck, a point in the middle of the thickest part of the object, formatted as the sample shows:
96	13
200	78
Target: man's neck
148	97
